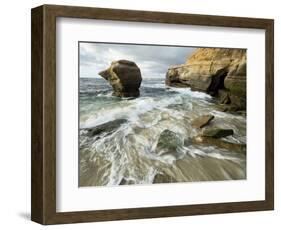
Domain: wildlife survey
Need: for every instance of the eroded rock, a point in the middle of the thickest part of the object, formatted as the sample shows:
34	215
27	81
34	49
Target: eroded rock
125	78
211	70
223	96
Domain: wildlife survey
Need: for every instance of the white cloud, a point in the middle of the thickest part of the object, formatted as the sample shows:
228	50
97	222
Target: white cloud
153	60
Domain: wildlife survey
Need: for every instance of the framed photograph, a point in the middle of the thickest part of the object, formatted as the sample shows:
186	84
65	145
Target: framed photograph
139	114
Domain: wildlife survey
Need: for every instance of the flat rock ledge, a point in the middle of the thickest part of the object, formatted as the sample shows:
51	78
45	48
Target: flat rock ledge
203	140
217	132
202	121
107	127
212	136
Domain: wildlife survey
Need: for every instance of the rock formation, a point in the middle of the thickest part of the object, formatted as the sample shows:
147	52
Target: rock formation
202	121
202	140
212	136
217	132
163	178
168	142
218	71
106	128
124	77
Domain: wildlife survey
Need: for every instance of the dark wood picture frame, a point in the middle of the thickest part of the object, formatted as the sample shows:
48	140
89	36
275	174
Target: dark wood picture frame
43	170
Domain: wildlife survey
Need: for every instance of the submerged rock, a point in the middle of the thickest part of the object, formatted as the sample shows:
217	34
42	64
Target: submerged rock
211	70
168	142
125	78
205	140
107	127
217	132
202	121
163	178
125	181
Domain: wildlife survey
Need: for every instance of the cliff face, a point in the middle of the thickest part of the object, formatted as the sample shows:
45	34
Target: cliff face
217	71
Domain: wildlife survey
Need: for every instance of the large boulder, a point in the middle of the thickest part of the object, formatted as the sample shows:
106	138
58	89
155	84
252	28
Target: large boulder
213	69
125	78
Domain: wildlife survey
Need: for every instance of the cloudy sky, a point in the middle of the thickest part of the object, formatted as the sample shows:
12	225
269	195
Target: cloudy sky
152	60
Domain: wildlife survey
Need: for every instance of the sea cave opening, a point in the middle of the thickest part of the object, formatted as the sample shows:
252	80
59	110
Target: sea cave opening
217	82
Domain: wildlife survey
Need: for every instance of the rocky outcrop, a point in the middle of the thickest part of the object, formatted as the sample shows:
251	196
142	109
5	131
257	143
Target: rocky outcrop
218	71
125	78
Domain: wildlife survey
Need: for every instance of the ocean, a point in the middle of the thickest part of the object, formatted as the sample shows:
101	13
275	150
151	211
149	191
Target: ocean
124	147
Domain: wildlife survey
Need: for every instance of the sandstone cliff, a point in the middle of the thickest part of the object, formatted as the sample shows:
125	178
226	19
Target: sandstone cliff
125	78
218	71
